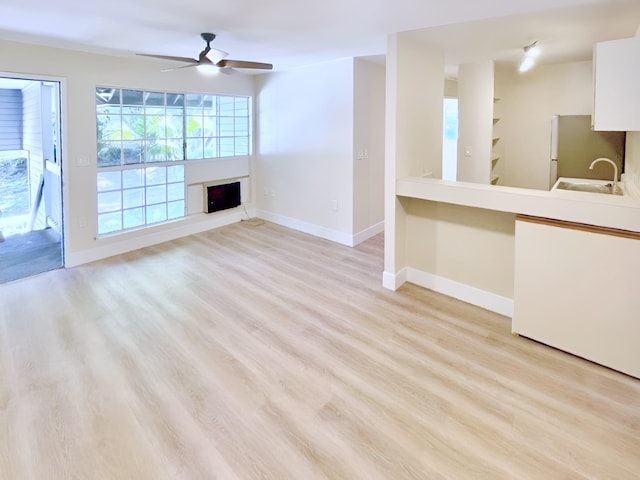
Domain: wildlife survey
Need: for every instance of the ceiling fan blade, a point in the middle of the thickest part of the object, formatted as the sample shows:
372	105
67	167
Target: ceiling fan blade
181	67
243	64
168	57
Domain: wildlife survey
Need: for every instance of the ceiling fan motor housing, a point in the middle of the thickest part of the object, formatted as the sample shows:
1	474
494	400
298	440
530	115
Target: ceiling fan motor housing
208	37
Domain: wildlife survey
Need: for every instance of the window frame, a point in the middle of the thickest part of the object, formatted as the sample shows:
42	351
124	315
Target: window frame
245	144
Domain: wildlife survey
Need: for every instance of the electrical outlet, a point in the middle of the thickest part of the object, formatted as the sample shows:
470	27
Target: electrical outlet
82	222
334	205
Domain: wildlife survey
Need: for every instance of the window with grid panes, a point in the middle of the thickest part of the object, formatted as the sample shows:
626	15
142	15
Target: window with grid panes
144	141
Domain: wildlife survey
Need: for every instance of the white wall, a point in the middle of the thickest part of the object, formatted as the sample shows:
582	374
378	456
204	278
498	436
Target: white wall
475	114
81	73
528	101
304	148
368	141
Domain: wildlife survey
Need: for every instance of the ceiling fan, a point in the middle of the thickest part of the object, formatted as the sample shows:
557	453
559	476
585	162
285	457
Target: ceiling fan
217	59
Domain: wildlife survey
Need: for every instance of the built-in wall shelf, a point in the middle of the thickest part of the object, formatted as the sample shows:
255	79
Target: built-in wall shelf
494	167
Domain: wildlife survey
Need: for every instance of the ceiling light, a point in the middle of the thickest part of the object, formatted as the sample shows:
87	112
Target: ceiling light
526	64
531	51
207	69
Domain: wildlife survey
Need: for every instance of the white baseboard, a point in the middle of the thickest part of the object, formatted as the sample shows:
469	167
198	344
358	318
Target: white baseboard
392	281
322	232
128	241
461	291
367	233
310	228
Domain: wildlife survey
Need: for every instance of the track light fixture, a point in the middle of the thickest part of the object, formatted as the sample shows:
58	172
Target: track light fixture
531	51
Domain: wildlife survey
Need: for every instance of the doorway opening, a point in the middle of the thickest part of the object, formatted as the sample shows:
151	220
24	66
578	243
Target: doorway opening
450	140
31	220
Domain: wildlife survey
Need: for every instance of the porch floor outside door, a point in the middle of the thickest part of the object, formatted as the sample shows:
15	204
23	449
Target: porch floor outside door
29	253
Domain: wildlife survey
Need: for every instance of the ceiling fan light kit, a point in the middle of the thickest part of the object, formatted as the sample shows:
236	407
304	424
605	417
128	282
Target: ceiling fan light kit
206	65
531	52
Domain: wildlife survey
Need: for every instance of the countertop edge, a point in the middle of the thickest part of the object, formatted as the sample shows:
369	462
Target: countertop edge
592	209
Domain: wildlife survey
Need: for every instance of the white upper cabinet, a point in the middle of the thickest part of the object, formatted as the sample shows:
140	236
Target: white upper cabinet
616	103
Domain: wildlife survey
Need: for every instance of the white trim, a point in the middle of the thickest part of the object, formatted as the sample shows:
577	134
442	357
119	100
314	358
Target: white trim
393	281
310	228
63	147
461	291
367	233
181	228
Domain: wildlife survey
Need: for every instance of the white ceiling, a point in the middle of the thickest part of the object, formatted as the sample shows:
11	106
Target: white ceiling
563	34
292	33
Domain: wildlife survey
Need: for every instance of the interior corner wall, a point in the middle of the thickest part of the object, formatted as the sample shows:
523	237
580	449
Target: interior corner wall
304	148
368	140
528	101
475	117
80	73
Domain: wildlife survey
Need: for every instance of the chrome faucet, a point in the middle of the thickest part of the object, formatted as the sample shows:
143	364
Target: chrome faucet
614	188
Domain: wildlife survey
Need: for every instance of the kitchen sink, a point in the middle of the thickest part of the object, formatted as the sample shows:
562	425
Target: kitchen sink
589	187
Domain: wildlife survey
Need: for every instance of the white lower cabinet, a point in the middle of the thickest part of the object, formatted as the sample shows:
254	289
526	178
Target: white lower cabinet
577	289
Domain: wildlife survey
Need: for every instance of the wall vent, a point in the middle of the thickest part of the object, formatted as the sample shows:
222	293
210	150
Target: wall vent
221	197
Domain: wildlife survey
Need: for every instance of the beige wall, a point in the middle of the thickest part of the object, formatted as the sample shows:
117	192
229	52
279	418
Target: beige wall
451	88
468	245
418	94
368	137
413	133
81	72
632	158
475	114
632	153
528	101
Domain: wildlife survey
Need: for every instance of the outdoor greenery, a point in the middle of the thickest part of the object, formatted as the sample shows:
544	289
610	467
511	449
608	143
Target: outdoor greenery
143	127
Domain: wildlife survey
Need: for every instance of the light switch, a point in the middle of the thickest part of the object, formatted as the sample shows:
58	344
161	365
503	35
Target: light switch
467	151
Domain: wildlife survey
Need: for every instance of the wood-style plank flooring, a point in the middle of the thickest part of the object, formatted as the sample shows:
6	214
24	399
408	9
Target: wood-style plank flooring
257	352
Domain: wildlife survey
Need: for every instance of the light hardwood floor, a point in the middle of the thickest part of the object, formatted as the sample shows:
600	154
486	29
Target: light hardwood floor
257	352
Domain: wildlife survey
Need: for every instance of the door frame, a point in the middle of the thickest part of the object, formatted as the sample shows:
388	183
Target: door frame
62	150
